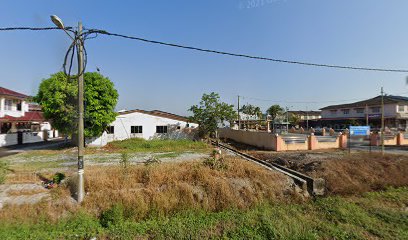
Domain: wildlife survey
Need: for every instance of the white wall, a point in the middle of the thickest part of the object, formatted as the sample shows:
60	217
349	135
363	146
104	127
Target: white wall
149	122
122	128
13	112
8	139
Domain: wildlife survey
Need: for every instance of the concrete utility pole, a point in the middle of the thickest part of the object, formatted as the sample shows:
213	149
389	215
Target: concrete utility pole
81	141
80	54
239	117
366	111
287	119
382	120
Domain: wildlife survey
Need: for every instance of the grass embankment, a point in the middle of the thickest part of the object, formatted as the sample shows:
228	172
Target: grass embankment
362	172
377	215
156	145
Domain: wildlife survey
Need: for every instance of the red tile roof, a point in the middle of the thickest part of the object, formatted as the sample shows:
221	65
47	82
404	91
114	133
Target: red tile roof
28	117
8	92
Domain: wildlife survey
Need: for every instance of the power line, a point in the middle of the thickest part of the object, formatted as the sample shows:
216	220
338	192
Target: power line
33	28
98	31
247	56
314	102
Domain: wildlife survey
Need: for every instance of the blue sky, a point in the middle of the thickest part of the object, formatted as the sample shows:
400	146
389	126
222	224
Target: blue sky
369	33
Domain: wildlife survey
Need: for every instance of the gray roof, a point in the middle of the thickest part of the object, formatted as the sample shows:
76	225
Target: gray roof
388	99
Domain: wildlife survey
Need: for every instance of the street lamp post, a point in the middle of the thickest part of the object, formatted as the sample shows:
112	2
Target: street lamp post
79	42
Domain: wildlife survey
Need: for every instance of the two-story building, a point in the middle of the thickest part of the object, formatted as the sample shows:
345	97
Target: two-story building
18	116
308	118
368	112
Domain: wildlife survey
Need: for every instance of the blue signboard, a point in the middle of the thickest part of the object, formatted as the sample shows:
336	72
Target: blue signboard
359	130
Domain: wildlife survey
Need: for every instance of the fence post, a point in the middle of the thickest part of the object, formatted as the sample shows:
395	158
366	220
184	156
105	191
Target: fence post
312	142
374	139
278	143
343	141
400	138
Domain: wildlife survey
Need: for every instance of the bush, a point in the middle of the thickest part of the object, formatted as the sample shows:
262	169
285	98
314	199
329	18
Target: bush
58	177
112	216
216	161
124	160
3	171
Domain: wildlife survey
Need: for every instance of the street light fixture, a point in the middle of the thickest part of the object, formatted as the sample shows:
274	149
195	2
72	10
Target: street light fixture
58	22
79	43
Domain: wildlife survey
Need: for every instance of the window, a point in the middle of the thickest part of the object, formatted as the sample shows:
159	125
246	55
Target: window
401	108
359	110
136	129
19	106
161	129
346	111
333	112
375	109
110	129
8	104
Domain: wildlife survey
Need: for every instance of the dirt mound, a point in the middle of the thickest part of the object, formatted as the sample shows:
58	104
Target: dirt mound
348	174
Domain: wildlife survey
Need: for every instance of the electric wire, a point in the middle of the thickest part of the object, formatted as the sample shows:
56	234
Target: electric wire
104	32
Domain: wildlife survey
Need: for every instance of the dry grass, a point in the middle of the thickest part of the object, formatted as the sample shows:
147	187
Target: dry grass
162	189
166	188
22	177
25	192
359	173
58	207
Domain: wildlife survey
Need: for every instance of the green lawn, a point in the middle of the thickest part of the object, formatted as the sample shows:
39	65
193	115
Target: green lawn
377	215
157	145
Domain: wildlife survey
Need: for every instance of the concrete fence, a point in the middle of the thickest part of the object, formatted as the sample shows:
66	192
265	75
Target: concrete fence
398	139
278	143
26	137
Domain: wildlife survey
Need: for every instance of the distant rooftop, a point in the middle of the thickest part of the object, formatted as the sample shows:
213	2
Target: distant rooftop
156	113
8	92
388	99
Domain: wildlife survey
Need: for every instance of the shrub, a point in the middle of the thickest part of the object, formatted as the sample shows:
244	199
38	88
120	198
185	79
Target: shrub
3	171
152	160
58	177
216	161
124	160
112	216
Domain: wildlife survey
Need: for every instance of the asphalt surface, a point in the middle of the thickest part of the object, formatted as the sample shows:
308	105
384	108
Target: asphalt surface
14	149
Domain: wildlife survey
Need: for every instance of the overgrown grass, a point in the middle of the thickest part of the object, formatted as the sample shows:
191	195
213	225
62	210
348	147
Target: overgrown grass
363	172
157	145
380	215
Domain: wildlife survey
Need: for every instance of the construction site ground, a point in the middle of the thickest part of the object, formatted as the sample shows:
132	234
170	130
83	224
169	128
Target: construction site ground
345	173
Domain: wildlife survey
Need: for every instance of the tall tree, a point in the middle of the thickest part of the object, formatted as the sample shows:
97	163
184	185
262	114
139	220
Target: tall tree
212	113
58	98
252	110
274	111
294	118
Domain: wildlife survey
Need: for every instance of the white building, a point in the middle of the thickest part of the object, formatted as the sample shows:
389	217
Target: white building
21	122
147	125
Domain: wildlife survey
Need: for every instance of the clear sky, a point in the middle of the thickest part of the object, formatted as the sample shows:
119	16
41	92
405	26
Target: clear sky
369	33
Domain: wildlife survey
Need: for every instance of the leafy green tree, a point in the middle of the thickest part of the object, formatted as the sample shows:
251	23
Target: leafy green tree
274	111
58	98
211	113
294	118
252	110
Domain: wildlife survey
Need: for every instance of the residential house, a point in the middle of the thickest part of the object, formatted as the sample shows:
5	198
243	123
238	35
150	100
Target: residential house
17	117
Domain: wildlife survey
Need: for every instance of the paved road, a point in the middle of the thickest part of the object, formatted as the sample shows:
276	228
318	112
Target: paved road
363	145
10	150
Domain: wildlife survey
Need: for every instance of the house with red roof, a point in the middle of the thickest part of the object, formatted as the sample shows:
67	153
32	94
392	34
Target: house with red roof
18	115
